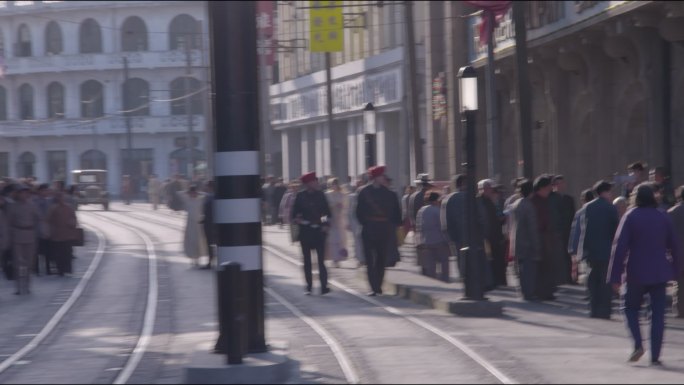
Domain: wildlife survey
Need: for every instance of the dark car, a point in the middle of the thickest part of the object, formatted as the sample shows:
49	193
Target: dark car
91	187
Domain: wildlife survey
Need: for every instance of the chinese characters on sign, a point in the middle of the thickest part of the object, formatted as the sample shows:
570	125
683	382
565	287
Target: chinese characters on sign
327	26
264	22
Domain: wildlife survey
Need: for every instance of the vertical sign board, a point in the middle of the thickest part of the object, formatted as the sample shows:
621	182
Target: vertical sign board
265	31
327	26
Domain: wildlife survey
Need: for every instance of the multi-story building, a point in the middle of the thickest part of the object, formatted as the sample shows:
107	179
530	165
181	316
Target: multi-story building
83	78
370	69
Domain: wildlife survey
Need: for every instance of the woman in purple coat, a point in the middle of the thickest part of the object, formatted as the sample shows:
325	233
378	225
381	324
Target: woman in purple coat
647	236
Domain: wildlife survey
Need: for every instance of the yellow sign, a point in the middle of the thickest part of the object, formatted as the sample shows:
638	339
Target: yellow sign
327	26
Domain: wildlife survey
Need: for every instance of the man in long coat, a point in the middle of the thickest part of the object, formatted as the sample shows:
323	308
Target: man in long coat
23	219
492	231
378	211
565	210
546	274
524	237
452	218
677	215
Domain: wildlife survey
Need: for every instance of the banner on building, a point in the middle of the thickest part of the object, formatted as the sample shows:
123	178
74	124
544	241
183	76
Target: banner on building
327	26
264	24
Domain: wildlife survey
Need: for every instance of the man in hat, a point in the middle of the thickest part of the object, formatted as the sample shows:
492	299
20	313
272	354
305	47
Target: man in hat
310	206
601	220
546	283
379	214
23	219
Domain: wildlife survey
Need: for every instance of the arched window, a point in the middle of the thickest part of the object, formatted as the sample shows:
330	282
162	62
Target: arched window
25	102
186	90
136	94
3	103
55	100
93	160
184	28
92	99
134	35
25	165
23	47
53	38
90	37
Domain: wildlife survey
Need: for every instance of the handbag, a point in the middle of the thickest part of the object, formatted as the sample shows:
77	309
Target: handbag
80	237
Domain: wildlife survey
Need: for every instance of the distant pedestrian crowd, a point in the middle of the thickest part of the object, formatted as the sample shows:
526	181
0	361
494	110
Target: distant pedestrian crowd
630	245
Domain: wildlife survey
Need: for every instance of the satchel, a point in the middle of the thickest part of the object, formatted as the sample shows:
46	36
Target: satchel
80	237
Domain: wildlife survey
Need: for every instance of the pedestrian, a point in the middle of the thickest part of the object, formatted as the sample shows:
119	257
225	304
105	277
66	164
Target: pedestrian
354	225
575	249
336	240
524	239
565	206
677	215
452	218
492	233
417	199
207	221
636	175
172	192
154	191
61	219
23	219
5	241
285	210
601	219
660	178
621	205
7	258
267	199
126	189
312	214
431	241
43	201
393	255
378	212
279	190
194	241
405	217
547	269
643	241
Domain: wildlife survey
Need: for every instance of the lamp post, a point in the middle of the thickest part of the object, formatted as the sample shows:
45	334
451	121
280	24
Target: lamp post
369	131
473	252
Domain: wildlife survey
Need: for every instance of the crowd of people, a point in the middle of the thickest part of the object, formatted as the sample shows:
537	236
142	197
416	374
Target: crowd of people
38	226
631	243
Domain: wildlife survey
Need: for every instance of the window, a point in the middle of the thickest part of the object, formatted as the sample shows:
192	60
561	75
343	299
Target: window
55	100
57	165
23	46
136	93
92	99
184	28
2	46
93	160
181	87
25	165
3	103
134	35
53	39
90	37
179	160
25	102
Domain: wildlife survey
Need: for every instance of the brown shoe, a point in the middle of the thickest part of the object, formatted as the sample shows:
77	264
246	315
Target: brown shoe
636	354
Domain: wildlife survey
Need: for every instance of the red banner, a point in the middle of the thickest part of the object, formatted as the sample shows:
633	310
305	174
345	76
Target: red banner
499	8
265	28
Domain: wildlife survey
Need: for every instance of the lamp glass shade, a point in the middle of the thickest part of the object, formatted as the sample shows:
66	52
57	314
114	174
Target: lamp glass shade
468	93
369	120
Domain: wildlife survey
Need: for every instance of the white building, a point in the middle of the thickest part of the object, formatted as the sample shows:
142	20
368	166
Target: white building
62	99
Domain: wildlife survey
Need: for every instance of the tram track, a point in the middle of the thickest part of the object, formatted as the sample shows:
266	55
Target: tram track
342	354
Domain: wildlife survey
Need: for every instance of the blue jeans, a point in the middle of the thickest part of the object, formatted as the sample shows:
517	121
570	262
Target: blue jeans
632	305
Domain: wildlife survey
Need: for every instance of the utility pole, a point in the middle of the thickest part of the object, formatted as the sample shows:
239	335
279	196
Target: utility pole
189	145
524	92
416	148
493	169
129	138
329	101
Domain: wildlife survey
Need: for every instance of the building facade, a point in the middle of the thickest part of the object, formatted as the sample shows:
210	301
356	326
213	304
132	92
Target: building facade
83	78
370	69
606	79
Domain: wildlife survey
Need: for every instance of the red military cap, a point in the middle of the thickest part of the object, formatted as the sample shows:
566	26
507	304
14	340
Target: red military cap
308	177
376	171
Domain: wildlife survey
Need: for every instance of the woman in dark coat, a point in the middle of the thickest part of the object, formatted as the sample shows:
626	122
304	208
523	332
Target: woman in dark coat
647	236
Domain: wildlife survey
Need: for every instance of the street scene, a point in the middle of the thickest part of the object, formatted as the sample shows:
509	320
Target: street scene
324	192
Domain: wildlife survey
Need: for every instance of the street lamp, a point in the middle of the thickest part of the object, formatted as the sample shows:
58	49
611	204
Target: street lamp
474	251
369	131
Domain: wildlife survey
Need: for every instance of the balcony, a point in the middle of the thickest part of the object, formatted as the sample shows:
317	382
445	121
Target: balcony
105	126
101	61
19	7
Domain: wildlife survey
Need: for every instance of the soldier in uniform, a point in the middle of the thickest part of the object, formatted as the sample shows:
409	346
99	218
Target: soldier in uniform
308	211
23	219
378	212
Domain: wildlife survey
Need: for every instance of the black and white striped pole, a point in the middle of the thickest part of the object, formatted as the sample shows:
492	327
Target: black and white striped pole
237	208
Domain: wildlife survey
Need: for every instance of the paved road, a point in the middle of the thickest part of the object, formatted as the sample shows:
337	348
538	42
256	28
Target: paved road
340	337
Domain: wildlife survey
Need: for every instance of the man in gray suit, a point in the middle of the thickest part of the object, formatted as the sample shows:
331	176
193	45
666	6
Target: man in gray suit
524	237
677	215
23	219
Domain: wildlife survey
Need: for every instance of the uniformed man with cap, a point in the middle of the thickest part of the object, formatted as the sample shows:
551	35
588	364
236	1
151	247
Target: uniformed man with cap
309	210
379	214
